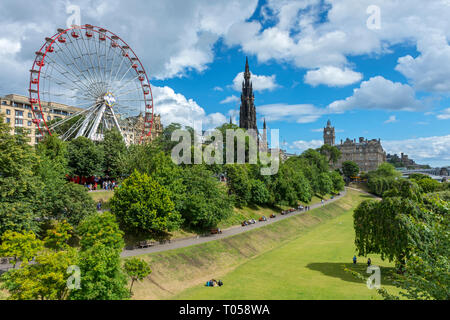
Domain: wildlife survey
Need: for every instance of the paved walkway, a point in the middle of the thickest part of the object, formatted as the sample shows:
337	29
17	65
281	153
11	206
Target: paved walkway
186	242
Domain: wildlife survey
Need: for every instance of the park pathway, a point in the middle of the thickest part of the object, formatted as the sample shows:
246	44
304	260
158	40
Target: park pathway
186	242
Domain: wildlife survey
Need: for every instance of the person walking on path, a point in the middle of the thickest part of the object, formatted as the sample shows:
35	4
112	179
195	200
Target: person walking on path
369	262
354	259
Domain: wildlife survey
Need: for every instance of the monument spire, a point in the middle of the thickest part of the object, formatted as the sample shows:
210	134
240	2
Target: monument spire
247	115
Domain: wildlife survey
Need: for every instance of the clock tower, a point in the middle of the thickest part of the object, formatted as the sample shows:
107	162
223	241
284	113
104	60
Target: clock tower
328	134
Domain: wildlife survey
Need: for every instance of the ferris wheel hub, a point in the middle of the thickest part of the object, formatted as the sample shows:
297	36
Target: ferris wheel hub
109	99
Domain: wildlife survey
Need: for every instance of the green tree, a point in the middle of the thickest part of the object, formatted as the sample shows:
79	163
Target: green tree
428	184
338	182
259	191
207	202
20	246
332	152
114	148
238	183
58	236
325	184
46	279
100	228
144	208
85	157
102	276
383	227
350	169
136	269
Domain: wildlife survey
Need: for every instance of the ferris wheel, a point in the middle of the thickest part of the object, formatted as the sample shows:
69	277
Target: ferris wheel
99	77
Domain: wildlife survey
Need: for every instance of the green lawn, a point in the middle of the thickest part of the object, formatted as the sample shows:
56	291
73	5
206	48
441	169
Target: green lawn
103	196
309	267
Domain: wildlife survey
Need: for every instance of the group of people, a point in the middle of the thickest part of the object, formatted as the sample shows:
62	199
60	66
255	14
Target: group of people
106	185
369	261
214	283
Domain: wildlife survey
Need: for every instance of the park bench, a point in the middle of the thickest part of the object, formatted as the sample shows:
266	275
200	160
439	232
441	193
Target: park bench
216	231
145	244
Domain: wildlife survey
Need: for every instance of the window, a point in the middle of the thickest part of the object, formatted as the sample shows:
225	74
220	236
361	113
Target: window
19	113
30	115
4	103
8	120
49	118
8	112
29	123
19	122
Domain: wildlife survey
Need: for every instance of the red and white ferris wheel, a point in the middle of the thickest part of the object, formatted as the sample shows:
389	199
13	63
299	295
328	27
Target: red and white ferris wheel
94	70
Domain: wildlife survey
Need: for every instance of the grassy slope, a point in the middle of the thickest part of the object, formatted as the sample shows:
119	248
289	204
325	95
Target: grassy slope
297	258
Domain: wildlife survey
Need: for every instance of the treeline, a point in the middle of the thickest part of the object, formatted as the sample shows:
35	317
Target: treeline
386	177
156	196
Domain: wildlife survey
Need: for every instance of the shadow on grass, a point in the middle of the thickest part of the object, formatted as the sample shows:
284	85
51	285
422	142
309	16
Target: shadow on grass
337	270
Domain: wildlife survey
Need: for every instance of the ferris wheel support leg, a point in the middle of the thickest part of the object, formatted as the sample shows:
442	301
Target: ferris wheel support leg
85	123
98	118
118	127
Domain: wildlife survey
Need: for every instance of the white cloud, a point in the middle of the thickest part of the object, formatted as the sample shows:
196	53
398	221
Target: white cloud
314	33
230	99
332	76
300	113
429	150
302	145
391	119
430	70
176	108
445	115
218	88
379	93
260	83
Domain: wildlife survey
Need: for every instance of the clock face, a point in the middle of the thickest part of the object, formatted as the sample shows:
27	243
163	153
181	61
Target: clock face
328	132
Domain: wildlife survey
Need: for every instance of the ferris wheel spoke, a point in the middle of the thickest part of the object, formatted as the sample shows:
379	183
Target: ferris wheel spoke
99	65
59	123
123	86
112	65
64	71
120	67
74	63
88	53
91	81
64	95
65	85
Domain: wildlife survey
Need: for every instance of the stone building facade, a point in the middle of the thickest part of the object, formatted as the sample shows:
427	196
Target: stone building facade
132	129
367	154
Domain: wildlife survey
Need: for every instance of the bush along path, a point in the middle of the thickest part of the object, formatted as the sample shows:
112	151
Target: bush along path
186	242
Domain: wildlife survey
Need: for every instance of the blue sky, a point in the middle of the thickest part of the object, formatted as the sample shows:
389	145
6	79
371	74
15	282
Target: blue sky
377	68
